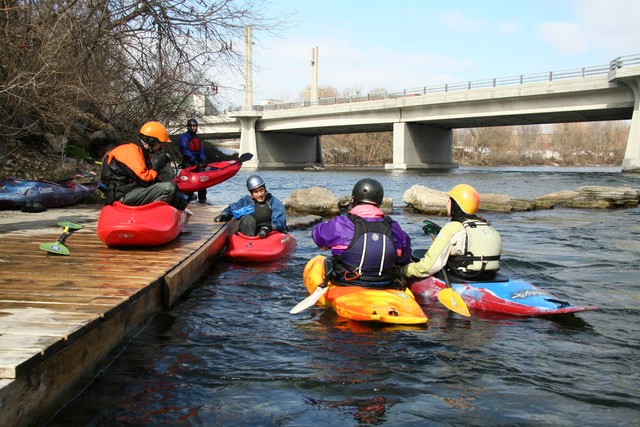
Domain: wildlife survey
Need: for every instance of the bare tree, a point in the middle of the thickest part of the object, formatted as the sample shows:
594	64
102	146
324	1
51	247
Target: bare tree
102	62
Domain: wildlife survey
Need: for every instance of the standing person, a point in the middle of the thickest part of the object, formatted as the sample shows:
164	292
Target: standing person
192	150
367	245
258	213
468	246
132	179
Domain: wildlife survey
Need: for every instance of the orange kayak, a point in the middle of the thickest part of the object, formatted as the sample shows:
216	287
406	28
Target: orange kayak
364	304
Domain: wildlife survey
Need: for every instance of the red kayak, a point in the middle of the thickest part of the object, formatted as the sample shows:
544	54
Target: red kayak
193	179
153	224
242	248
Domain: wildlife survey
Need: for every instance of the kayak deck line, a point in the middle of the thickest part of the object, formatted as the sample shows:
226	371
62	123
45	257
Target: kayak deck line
62	317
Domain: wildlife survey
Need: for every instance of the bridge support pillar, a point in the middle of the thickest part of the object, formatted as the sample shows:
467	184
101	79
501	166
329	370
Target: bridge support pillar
631	162
248	137
279	149
419	146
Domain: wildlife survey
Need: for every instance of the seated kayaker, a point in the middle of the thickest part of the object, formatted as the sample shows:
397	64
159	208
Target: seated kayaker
258	213
367	245
130	178
192	150
468	245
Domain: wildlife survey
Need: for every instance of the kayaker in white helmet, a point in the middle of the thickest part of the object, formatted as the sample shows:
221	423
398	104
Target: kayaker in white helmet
258	213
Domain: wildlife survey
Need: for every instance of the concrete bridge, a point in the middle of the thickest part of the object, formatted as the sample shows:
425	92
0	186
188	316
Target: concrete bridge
422	120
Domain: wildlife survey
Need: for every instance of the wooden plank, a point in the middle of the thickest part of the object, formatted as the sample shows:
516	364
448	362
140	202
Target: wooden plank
11	361
184	275
37	343
61	376
62	308
62	298
60	316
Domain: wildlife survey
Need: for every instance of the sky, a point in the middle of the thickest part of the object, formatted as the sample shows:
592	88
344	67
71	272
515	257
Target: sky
404	44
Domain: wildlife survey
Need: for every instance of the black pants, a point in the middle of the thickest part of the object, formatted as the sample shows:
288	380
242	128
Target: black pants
248	225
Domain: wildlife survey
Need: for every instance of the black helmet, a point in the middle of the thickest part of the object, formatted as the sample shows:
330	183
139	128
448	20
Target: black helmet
367	190
191	122
254	181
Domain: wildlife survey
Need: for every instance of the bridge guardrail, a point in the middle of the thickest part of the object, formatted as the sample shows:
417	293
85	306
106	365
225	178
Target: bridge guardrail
598	70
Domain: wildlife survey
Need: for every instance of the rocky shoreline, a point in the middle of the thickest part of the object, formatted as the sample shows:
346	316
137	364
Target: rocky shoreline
321	202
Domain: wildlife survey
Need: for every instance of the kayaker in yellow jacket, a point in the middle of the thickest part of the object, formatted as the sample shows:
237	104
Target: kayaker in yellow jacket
468	246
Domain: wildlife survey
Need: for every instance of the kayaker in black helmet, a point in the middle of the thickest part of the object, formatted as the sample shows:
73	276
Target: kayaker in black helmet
192	150
367	245
468	245
258	213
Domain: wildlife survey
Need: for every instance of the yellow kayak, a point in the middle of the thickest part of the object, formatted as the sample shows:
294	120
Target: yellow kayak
364	304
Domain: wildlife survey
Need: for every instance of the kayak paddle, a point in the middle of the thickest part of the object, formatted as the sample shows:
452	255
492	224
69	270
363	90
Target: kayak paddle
74	177
314	297
243	158
450	298
58	246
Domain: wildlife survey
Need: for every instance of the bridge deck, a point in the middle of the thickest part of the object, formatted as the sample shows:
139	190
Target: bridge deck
61	316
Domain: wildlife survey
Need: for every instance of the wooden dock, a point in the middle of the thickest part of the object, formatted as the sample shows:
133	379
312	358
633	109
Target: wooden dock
61	317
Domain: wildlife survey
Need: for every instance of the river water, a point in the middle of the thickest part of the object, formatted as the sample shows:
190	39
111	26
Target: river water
229	352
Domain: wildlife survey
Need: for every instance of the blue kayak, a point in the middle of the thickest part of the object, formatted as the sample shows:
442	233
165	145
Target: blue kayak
501	295
19	193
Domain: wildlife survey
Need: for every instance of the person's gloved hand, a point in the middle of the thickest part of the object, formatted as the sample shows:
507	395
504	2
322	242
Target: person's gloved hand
264	231
430	227
222	218
162	161
200	166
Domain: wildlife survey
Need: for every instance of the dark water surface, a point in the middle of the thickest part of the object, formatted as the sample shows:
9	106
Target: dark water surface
230	354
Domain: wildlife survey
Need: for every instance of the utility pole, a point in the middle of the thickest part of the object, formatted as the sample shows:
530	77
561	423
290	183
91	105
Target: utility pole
313	96
248	77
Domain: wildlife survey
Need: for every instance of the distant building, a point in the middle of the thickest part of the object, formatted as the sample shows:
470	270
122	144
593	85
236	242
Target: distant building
271	102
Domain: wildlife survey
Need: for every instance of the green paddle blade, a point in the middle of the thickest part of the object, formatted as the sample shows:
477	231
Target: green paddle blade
454	302
72	226
55	248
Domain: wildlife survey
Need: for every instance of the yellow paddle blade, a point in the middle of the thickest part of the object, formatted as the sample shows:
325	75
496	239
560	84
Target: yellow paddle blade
454	302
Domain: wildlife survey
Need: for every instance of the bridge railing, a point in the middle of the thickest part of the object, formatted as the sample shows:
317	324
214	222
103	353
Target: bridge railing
523	79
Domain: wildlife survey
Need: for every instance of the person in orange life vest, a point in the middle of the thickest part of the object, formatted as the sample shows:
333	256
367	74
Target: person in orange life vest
192	150
368	247
130	177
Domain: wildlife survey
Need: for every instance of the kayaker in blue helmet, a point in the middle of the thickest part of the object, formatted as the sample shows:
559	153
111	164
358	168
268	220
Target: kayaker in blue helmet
468	245
367	245
258	213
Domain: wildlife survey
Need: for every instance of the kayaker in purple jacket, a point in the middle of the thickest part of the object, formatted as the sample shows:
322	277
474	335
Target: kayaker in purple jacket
367	246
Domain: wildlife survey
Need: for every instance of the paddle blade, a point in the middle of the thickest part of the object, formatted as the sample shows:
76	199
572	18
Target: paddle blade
454	302
72	226
55	248
310	300
244	157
